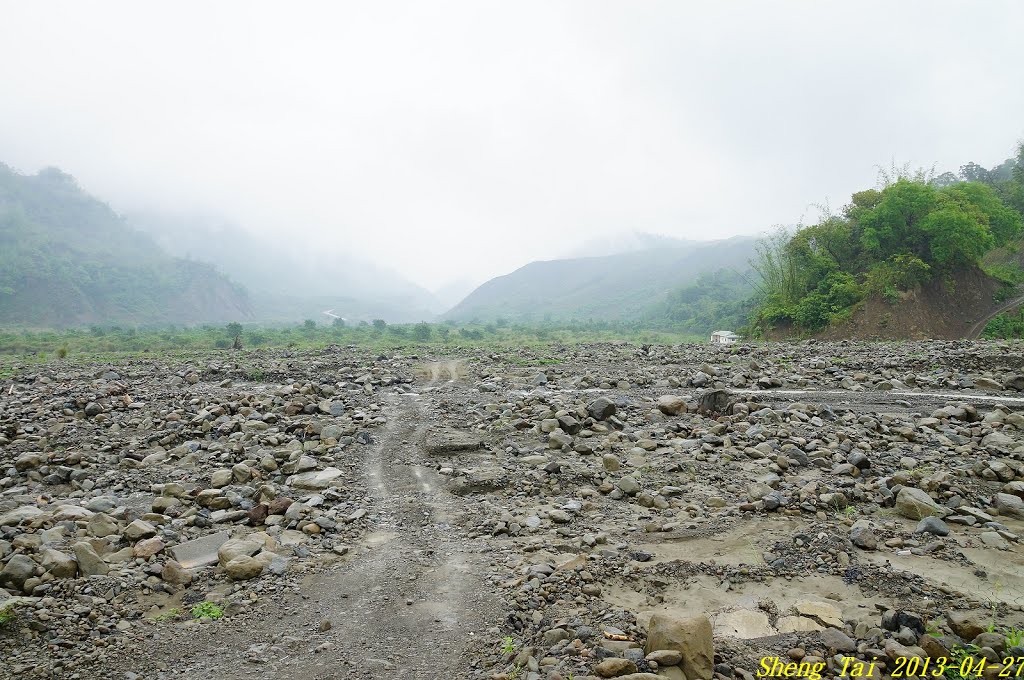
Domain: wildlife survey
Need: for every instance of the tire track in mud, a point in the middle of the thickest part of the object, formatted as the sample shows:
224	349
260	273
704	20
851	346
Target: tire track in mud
411	602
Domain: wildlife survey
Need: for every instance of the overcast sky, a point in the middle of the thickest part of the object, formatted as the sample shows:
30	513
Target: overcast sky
464	139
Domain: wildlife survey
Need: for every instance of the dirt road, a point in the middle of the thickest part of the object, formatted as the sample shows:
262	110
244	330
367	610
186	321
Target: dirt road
409	602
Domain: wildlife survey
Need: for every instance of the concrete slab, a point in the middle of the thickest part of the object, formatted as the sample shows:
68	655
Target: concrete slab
200	552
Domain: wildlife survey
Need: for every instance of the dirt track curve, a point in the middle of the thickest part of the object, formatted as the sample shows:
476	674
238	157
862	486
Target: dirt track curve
975	331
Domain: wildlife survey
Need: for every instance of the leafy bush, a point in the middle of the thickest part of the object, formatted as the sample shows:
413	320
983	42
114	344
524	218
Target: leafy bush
8	615
207	610
1005	293
834	294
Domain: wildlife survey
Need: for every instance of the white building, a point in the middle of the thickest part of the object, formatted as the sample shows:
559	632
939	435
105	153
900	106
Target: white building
724	338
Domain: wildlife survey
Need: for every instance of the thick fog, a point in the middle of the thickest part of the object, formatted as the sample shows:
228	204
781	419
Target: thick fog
454	141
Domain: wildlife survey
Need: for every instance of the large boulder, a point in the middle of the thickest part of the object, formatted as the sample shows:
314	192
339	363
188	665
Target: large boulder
243	568
691	637
1009	505
671	405
238	547
58	564
19	515
89	562
601	408
18	569
714	402
917	504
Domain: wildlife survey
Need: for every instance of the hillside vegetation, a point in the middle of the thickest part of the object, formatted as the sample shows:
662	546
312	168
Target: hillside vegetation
720	299
914	233
67	259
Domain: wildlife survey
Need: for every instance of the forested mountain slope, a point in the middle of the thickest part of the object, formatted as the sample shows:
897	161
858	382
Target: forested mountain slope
623	287
67	259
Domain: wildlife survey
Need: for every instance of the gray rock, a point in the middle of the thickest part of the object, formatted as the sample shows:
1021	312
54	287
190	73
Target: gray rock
992	539
315	480
863	536
480	480
19	515
1009	505
447	441
138	530
58	564
628	485
917	504
714	402
200	552
965	624
833	638
998	440
89	563
220	478
611	462
18	569
601	408
614	667
932	525
173	572
102	525
238	547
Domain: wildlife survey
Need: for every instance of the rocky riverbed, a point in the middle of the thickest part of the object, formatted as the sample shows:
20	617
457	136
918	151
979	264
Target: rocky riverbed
567	512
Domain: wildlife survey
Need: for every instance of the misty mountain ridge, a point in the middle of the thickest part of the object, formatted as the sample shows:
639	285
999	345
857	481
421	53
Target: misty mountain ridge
624	242
627	286
292	280
68	259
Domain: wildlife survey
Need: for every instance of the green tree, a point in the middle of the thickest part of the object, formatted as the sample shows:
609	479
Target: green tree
956	236
893	225
972	172
421	331
984	204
